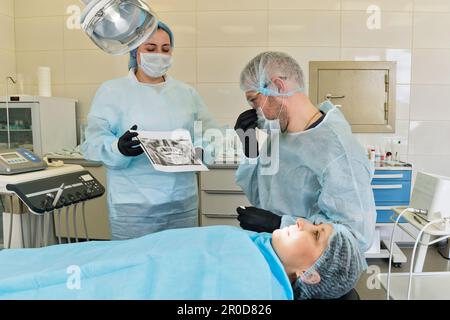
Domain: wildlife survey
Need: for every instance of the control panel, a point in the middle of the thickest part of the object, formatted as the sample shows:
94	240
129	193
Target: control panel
19	161
48	194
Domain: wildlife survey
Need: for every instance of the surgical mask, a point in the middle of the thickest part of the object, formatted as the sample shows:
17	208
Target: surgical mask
266	124
155	65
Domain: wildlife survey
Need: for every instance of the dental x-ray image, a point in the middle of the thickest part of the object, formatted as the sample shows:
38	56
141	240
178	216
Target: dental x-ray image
170	151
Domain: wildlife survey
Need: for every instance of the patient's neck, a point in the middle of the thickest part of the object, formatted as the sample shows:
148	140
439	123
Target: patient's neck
292	277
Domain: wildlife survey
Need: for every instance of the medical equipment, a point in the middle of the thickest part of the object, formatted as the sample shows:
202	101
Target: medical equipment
31	122
118	26
20	161
444	249
431	196
45	194
425	286
426	230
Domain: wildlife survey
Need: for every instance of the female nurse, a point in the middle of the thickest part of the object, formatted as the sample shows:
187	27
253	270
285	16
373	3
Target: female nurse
142	200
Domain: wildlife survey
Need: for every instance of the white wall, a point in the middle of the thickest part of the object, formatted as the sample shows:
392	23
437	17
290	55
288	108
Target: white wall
215	38
7	44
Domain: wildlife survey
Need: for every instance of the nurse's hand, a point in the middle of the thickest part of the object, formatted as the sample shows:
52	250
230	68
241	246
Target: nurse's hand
129	147
245	129
258	220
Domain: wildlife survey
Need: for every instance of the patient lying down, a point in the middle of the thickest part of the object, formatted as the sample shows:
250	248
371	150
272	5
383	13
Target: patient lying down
302	261
322	261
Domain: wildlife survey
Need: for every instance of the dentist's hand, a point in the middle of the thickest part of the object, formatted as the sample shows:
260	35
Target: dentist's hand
258	220
245	129
129	147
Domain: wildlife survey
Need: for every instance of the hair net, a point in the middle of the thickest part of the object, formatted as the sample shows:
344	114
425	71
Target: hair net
133	54
259	72
339	267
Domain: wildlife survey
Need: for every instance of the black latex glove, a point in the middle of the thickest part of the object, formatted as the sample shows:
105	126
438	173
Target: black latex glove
245	129
129	147
258	220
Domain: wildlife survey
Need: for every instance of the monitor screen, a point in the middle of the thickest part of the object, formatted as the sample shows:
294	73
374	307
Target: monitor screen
10	156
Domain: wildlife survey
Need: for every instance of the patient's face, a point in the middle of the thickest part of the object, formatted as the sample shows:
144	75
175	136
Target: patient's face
300	245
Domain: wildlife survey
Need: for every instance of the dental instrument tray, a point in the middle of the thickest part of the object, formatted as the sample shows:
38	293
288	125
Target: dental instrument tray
48	194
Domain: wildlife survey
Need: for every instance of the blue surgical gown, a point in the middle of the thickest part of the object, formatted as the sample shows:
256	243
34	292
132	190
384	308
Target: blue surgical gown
323	175
142	200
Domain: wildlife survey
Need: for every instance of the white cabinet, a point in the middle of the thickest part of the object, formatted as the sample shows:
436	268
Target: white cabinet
220	196
39	124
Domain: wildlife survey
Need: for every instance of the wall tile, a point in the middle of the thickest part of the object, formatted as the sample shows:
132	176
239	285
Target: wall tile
183	25
185	65
39	33
431	30
223	100
403	102
304	28
41	8
220	5
232	29
29	61
93	66
7	33
7	8
395	30
304	55
171	5
432	6
431	66
430	102
223	64
429	138
305	4
7	66
384	5
431	164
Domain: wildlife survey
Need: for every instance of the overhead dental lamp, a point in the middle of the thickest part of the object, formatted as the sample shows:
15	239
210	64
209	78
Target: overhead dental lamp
118	26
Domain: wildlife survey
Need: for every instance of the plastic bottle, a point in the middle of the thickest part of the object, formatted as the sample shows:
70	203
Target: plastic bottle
377	154
372	154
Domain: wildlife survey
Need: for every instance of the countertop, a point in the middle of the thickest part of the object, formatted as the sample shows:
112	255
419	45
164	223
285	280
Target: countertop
380	166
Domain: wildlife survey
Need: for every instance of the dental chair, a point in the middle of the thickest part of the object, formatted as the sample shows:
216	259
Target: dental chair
352	295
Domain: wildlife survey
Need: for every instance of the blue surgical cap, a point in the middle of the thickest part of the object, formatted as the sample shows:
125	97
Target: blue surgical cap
133	54
340	267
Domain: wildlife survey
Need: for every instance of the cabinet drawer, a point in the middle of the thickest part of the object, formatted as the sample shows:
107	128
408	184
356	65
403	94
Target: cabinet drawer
388	191
219	180
212	203
218	220
383	176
